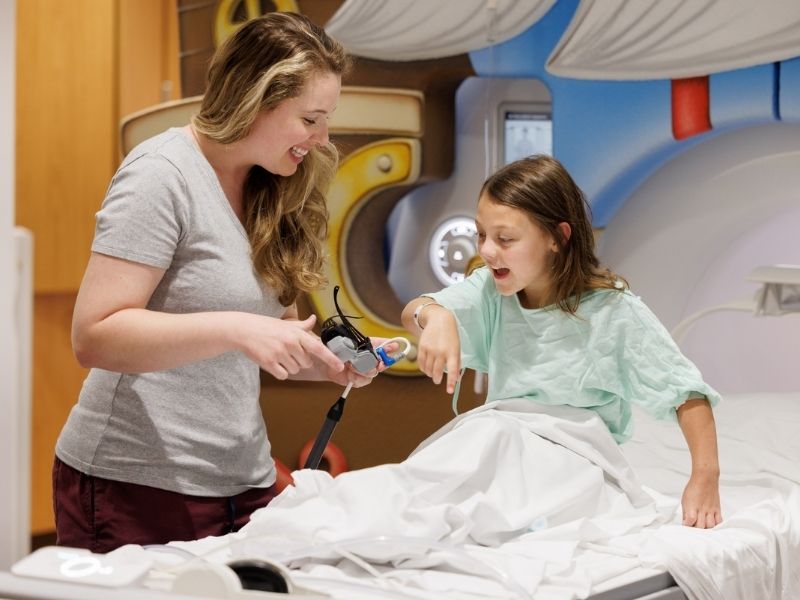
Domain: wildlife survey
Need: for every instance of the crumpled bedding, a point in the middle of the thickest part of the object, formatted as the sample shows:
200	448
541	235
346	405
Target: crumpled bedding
517	500
755	551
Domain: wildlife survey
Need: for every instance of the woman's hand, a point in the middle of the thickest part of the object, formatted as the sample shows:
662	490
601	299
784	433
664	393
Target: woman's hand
289	348
348	376
390	347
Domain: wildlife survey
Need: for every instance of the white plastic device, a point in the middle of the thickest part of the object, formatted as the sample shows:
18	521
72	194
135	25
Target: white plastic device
212	580
76	565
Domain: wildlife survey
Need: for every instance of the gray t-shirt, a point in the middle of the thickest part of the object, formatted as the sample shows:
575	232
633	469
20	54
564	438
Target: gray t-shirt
196	429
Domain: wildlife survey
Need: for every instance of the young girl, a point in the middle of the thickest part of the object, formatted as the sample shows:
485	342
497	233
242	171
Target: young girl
548	324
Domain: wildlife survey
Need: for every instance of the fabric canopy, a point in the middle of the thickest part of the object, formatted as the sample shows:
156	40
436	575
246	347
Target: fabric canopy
673	39
403	30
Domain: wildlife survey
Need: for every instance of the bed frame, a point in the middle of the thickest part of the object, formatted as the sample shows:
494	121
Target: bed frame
654	587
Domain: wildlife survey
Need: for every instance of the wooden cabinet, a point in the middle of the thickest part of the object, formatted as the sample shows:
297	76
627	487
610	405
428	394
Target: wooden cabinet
66	130
81	66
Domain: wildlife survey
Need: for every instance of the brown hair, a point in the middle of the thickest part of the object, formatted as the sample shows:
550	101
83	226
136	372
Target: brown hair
266	61
541	187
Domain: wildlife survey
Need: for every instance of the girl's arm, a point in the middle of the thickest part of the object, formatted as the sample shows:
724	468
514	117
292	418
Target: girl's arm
439	348
700	501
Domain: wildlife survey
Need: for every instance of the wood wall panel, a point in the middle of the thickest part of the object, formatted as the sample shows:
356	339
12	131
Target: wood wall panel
66	130
148	54
382	422
57	381
81	66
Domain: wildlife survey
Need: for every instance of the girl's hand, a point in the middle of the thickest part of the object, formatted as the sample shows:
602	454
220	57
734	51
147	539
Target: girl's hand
439	347
700	502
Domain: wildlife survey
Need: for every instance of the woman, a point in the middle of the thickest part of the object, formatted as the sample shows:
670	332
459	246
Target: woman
548	324
206	237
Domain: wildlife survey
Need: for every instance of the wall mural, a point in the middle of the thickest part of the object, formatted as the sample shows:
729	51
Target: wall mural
612	134
613	131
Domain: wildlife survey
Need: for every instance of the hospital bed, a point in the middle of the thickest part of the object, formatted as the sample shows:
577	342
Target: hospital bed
754	554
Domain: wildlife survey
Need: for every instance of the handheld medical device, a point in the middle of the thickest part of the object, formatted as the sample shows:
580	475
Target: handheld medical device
352	346
323	437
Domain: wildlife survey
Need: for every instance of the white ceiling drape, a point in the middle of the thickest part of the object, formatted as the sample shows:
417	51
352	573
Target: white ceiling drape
671	39
404	30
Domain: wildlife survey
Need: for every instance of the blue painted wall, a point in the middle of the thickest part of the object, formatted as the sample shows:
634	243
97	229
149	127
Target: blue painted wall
612	135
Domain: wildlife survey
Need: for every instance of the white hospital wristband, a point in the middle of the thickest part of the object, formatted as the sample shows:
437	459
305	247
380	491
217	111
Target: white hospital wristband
418	311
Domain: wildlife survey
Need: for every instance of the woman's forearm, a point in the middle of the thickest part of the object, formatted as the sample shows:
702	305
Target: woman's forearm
137	340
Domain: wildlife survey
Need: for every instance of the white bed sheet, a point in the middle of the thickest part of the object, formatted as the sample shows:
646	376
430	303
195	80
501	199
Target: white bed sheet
755	552
505	503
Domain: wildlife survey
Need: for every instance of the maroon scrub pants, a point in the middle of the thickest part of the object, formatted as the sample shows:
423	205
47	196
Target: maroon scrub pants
101	515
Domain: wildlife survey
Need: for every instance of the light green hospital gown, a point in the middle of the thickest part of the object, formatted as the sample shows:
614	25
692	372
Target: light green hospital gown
614	353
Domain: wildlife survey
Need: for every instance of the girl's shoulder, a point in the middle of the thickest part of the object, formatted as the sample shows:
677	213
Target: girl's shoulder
620	306
606	300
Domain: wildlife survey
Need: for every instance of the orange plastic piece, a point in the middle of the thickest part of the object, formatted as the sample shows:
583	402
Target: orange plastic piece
284	477
691	113
333	459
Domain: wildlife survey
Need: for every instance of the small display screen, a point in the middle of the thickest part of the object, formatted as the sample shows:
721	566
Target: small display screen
526	133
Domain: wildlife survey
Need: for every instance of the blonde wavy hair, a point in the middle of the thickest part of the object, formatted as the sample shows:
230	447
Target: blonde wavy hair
266	61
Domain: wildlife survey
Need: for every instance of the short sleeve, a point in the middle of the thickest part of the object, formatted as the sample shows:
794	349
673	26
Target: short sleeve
655	374
144	214
470	302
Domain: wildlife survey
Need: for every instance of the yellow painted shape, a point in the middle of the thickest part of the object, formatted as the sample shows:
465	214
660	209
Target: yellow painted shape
224	24
361	175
